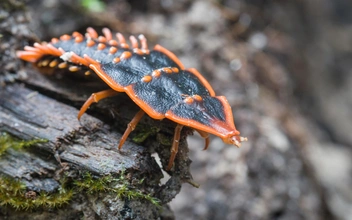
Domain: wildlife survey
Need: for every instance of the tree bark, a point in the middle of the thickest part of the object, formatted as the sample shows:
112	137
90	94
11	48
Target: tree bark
28	115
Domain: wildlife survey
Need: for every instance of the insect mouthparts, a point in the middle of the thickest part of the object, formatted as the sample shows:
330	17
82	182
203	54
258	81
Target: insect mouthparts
237	142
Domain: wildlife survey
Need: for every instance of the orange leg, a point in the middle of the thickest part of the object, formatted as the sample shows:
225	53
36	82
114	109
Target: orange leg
131	126
204	135
96	97
174	148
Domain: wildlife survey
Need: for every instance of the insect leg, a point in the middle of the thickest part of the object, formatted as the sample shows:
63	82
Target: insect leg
96	97
174	148
204	135
131	126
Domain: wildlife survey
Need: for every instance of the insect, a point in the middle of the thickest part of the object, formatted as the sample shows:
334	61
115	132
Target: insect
155	80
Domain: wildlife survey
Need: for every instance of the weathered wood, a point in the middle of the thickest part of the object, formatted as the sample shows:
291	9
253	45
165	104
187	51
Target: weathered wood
117	113
34	173
89	145
29	115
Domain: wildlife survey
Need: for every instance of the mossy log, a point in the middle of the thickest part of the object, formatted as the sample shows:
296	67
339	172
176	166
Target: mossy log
49	178
71	149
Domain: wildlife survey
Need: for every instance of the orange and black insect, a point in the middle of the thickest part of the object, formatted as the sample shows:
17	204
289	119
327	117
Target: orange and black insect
155	80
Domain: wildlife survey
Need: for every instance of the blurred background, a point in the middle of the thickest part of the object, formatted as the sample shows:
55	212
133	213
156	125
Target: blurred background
285	68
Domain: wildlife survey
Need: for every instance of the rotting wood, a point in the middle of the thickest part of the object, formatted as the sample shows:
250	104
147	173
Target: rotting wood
86	146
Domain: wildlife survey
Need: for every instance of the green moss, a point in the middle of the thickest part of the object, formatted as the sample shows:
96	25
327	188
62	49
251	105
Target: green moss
13	193
118	185
93	185
164	140
144	133
7	141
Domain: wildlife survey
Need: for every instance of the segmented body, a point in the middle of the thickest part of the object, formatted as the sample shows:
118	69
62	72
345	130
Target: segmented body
155	80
